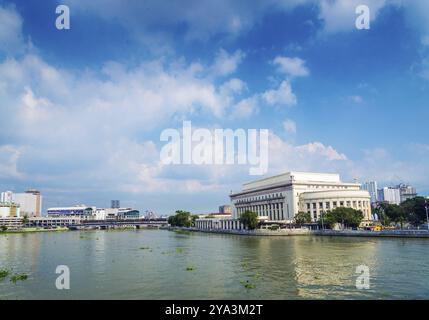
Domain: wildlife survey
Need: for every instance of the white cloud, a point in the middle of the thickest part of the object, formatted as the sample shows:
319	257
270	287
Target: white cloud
225	63
246	108
340	16
289	126
233	85
9	155
291	66
86	130
11	39
283	95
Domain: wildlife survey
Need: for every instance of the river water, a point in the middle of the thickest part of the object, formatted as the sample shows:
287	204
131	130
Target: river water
160	264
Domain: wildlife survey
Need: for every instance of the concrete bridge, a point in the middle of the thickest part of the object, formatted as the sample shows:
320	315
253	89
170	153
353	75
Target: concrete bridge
111	224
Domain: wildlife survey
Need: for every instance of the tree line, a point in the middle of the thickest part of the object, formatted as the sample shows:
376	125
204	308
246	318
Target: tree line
411	211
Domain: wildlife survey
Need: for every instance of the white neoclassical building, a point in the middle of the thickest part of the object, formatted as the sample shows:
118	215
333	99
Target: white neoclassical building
279	198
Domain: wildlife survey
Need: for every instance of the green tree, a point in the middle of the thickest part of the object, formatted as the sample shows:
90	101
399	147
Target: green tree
396	213
414	210
380	210
302	217
25	220
348	217
3	228
181	219
249	219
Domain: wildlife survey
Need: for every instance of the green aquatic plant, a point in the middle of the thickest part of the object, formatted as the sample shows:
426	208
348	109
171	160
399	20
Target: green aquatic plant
179	250
19	277
256	276
245	265
248	285
178	231
145	248
190	268
4	273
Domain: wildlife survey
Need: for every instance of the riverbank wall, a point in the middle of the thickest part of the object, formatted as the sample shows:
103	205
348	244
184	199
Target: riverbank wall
381	234
280	232
324	233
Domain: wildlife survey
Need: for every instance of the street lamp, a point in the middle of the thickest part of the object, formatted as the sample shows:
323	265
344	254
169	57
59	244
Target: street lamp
323	226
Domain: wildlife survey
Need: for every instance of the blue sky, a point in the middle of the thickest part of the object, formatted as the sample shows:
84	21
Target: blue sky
83	109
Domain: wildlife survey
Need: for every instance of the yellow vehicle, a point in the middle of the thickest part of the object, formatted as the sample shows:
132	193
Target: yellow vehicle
373	228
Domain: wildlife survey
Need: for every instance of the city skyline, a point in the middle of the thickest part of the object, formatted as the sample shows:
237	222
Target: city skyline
86	106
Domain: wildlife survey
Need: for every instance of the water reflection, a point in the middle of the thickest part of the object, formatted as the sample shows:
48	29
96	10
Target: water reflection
155	264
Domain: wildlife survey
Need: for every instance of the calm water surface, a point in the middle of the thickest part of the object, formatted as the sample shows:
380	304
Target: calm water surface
151	264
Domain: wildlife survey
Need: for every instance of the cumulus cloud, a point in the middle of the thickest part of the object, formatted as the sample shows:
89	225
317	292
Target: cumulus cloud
340	16
283	95
95	130
291	66
9	155
225	63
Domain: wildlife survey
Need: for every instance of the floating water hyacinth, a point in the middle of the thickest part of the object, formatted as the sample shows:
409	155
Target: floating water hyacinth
19	277
4	273
248	285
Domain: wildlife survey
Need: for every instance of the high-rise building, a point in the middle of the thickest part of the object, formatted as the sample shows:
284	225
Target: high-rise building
30	203
6	197
115	204
391	195
371	187
406	192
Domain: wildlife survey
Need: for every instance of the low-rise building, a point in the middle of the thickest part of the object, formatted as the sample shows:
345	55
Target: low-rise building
81	211
12	222
54	222
281	197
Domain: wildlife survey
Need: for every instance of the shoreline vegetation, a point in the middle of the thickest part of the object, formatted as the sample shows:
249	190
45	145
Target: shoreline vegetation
31	230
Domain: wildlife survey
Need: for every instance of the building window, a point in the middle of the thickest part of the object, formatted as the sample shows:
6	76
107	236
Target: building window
341	203
320	205
308	206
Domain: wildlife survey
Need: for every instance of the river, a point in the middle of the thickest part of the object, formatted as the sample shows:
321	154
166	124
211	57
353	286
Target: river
160	264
